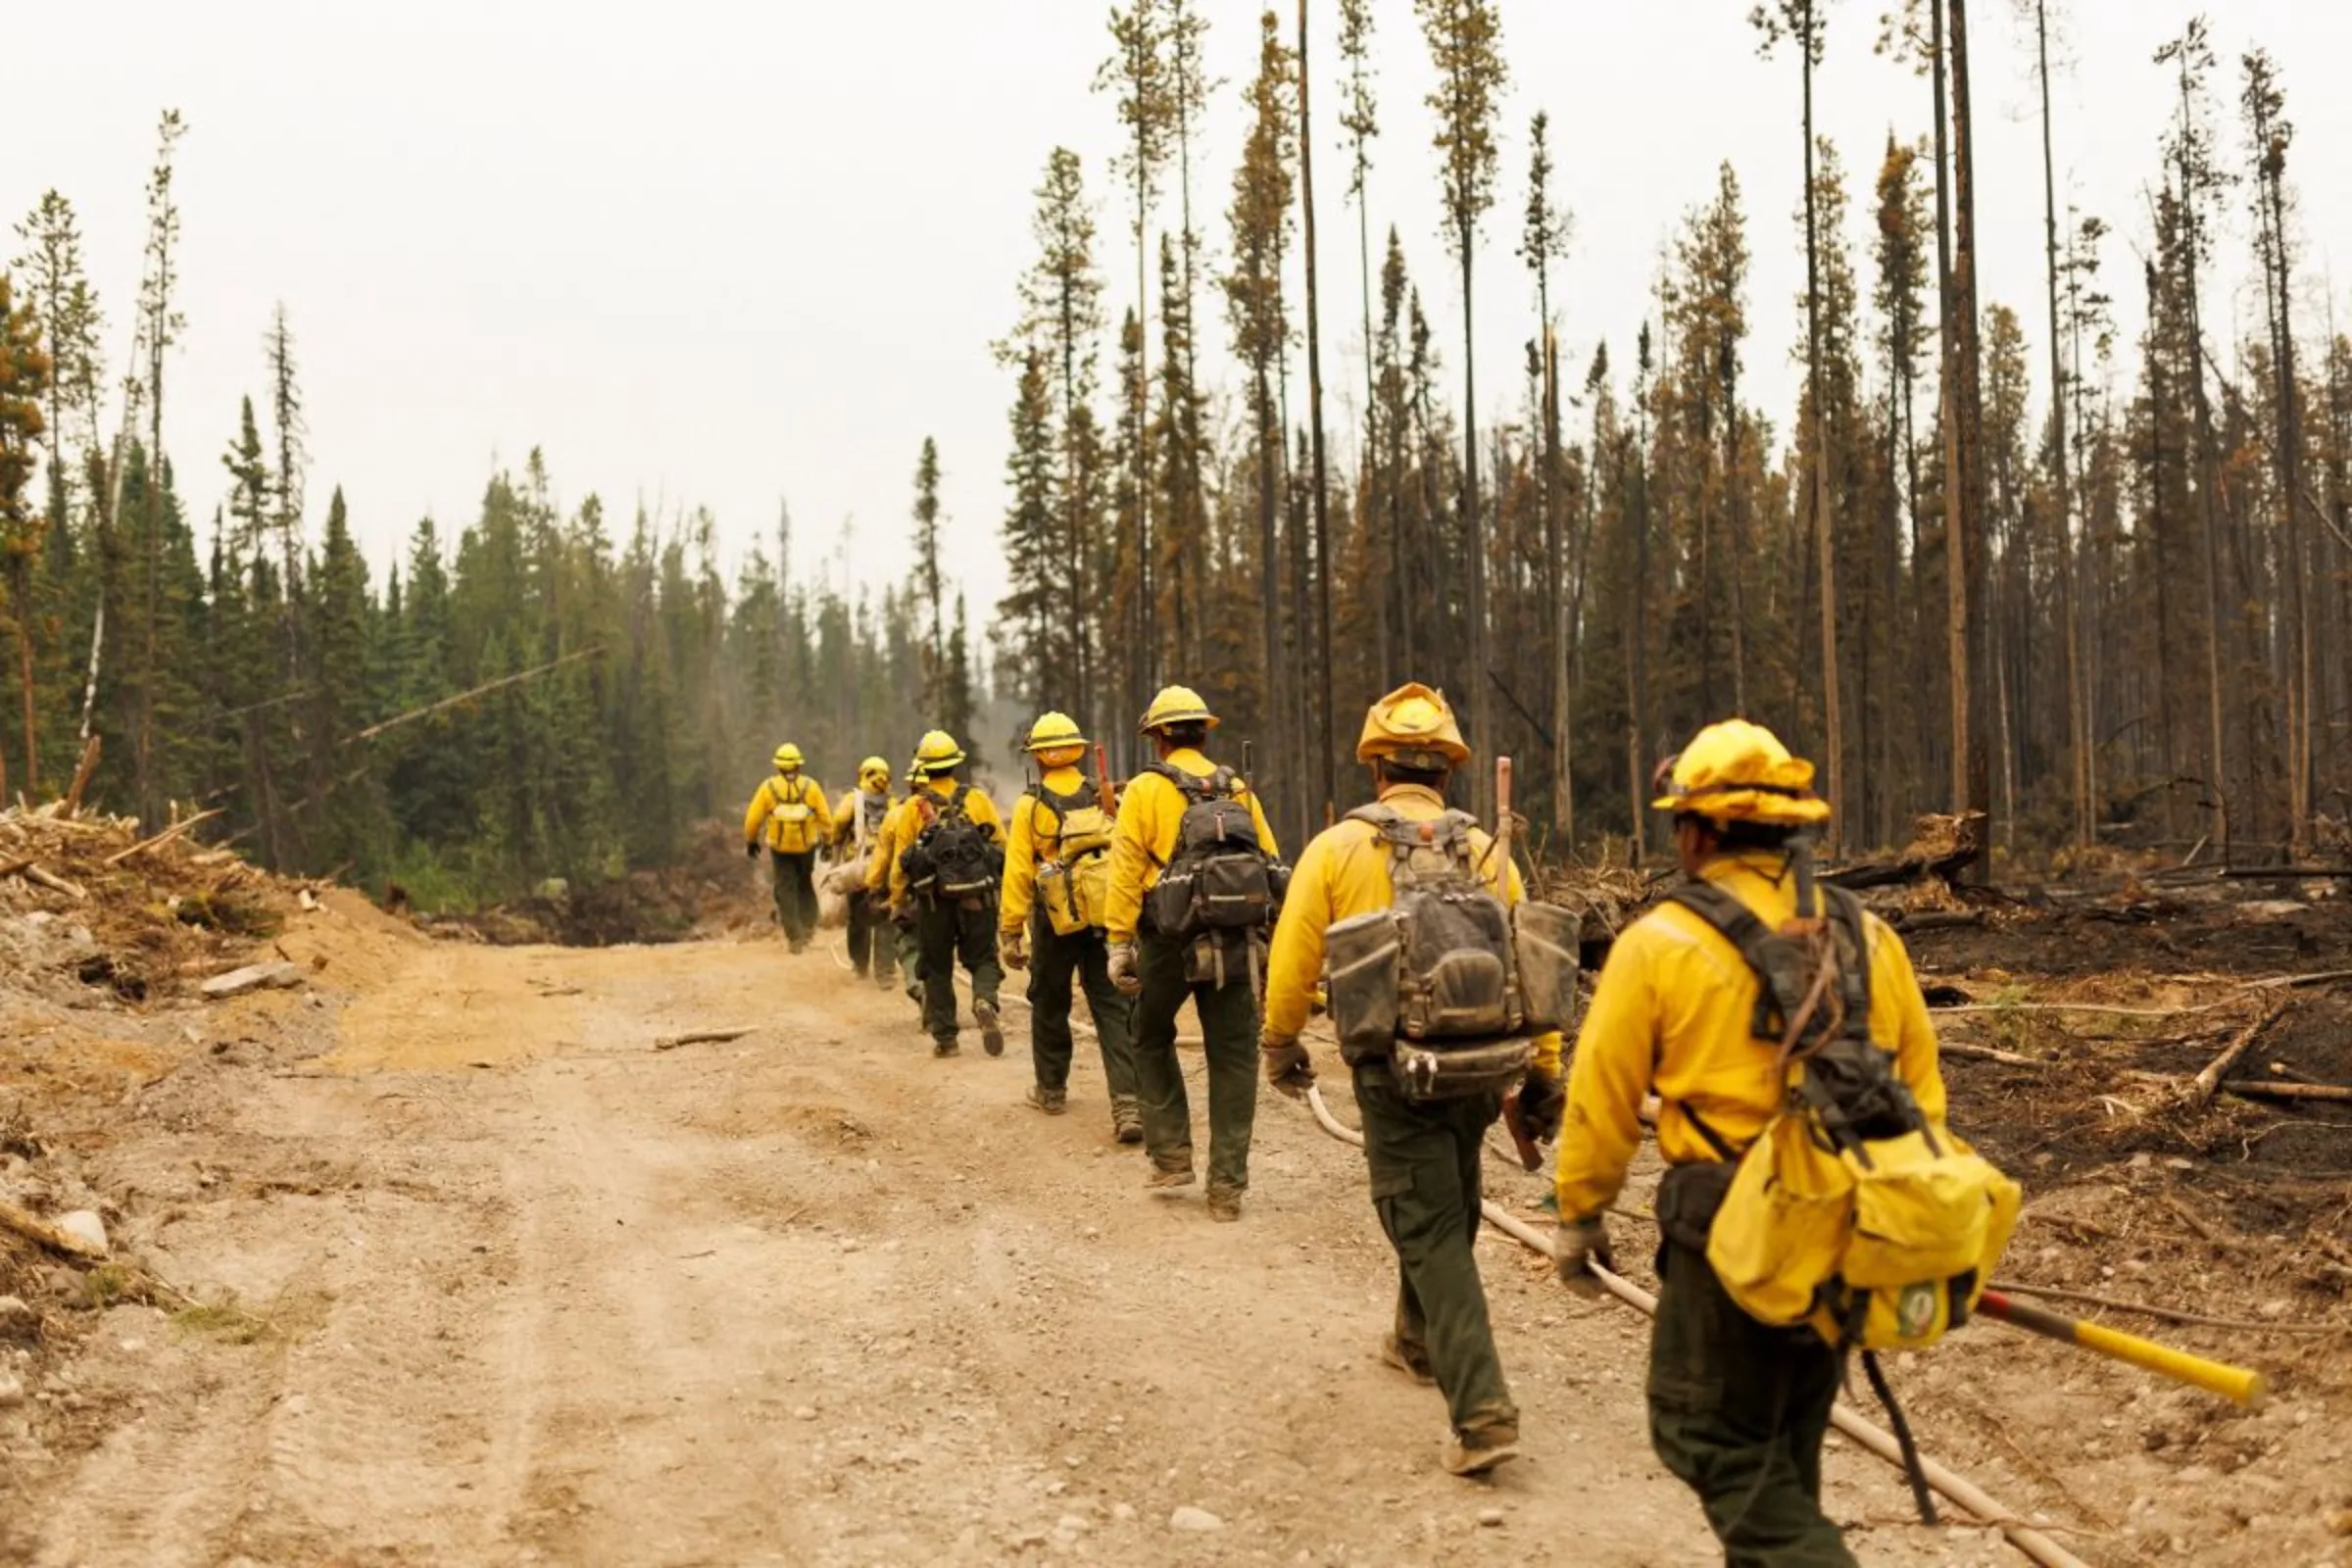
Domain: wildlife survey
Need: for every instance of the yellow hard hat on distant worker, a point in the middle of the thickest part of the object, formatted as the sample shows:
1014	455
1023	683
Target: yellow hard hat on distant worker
938	752
1737	771
874	770
1056	732
1176	704
788	757
1414	727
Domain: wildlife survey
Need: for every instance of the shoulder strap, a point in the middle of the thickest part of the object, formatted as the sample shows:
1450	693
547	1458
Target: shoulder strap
1852	930
1197	789
1088	794
1767	955
1723	910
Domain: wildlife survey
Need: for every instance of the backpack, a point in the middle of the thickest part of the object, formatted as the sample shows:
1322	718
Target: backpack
1220	878
1852	1211
1448	983
791	820
952	857
1073	888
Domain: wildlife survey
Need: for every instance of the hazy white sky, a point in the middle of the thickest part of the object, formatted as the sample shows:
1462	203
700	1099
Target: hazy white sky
729	254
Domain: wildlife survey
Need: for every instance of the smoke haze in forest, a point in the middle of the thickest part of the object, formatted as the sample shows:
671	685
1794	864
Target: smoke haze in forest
719	254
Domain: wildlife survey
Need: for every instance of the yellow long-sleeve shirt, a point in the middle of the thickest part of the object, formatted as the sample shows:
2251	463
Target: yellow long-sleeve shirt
1033	838
883	853
1674	1013
1149	814
907	821
1343	873
768	819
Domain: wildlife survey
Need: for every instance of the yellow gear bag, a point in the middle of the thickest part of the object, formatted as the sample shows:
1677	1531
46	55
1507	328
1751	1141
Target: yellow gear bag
1073	886
1851	1211
1885	1245
790	819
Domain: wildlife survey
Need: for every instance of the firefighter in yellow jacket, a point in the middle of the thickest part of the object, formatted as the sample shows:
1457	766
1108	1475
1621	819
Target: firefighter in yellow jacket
857	819
1056	882
1424	1156
946	862
1737	1409
788	814
1160	967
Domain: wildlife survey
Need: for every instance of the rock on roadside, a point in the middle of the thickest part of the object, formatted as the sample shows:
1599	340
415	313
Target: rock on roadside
253	977
1191	1518
84	1226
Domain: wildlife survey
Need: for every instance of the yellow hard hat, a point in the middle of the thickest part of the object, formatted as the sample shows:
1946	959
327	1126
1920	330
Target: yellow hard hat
1413	725
1056	732
938	752
1176	704
873	771
787	757
1737	771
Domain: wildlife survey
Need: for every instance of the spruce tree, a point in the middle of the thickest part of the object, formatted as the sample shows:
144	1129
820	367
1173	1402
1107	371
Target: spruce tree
1465	46
25	382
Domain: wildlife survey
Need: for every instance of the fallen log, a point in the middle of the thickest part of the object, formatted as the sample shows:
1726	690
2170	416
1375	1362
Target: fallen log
1967	1052
2247	1089
41	1233
1946	846
2202	1088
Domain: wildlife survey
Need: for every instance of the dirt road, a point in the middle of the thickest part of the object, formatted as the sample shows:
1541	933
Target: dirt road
516	1287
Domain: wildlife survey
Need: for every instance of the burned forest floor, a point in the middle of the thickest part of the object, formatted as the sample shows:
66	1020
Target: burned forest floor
431	1250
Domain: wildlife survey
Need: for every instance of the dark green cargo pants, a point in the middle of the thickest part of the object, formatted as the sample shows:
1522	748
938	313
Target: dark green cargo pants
1058	966
1426	1187
796	893
950	929
872	945
1738	1410
908	941
1228	1036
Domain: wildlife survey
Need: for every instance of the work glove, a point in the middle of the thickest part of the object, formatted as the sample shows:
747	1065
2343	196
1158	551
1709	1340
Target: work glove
751	850
1013	948
1577	1247
1287	1065
1123	973
1541	1099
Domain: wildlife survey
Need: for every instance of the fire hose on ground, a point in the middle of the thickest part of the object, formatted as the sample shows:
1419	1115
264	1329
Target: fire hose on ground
1958	1488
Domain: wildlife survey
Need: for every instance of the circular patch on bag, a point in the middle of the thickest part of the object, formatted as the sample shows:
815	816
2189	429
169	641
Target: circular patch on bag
1915	1311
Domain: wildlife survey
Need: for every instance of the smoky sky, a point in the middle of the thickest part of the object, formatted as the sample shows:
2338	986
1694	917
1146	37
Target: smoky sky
740	257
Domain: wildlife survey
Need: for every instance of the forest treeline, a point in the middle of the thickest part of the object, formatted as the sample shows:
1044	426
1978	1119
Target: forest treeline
1996	558
1997	555
546	692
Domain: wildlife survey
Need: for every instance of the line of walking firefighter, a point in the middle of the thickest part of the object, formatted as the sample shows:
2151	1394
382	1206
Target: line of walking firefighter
1815	1205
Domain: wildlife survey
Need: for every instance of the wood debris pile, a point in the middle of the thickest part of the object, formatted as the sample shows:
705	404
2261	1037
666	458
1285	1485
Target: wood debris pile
92	901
